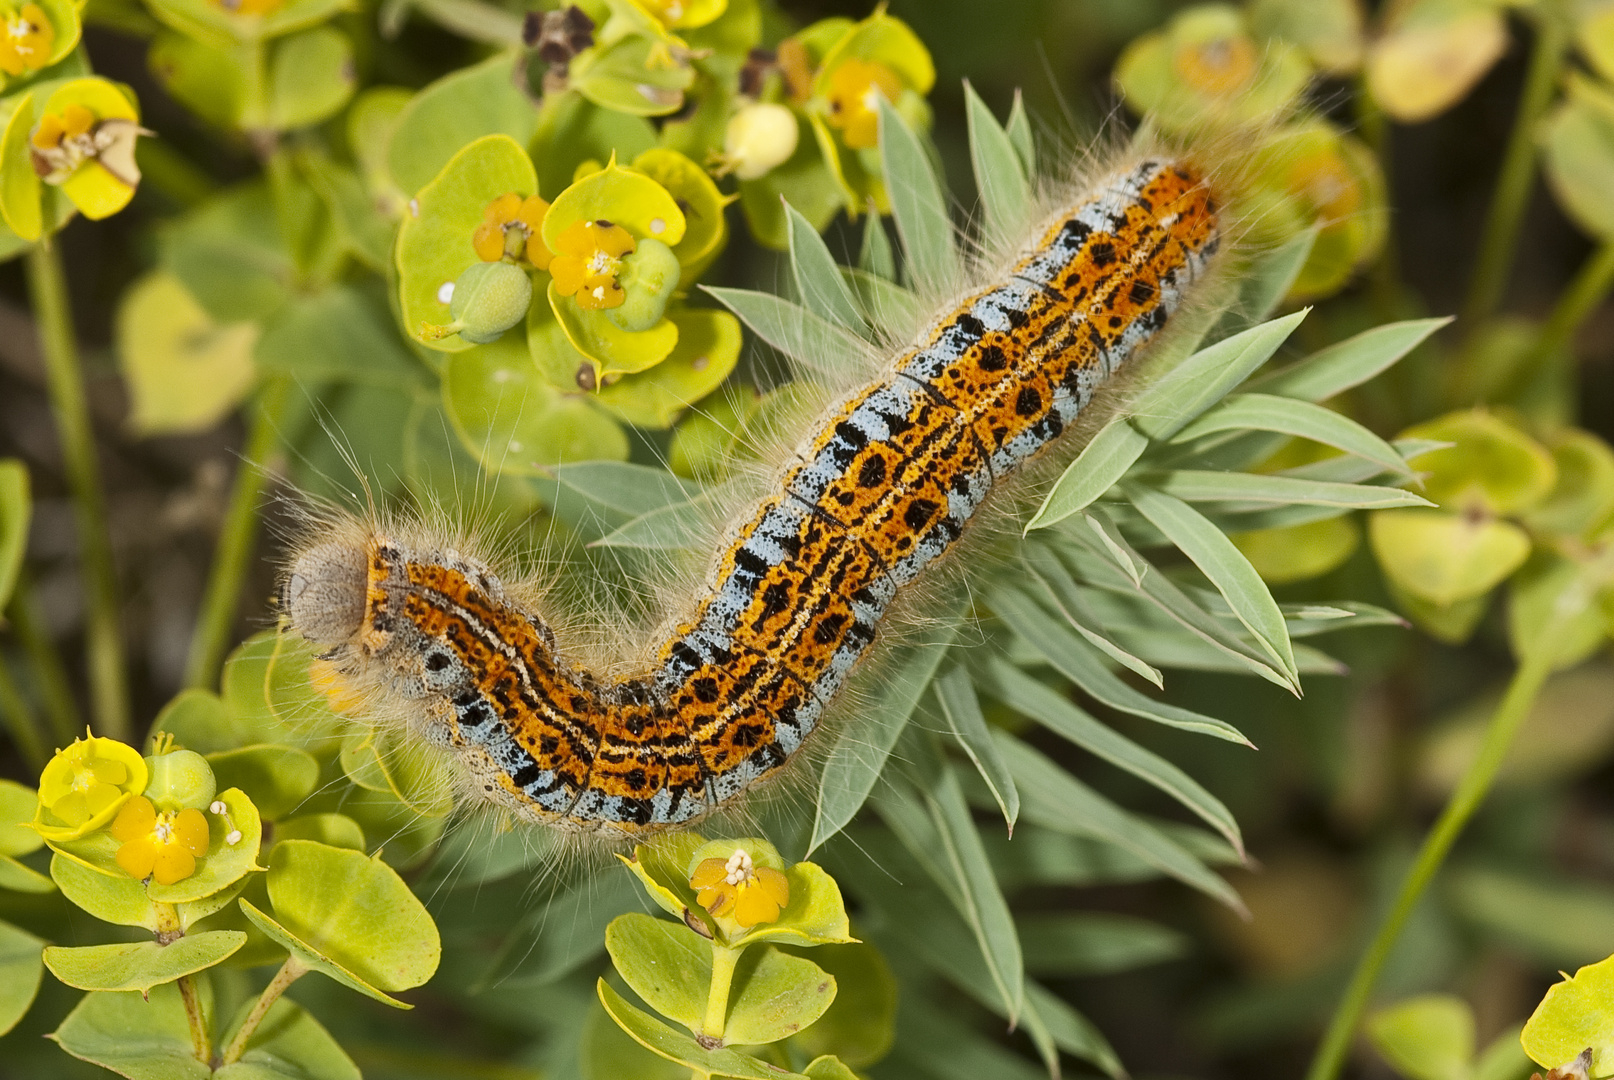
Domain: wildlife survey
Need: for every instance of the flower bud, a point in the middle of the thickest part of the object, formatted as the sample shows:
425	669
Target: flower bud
649	276
180	779
489	298
759	138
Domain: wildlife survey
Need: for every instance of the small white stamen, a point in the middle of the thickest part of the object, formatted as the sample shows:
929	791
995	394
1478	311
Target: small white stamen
217	806
445	292
232	837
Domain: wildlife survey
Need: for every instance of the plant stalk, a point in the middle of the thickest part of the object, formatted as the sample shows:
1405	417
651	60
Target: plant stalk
1471	791
109	695
49	671
289	972
169	931
1517	176
234	552
717	999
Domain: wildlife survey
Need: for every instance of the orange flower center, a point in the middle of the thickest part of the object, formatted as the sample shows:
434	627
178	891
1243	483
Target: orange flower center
512	228
1219	66
588	263
162	846
737	888
27	40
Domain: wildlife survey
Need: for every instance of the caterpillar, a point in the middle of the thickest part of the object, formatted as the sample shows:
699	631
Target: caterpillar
883	489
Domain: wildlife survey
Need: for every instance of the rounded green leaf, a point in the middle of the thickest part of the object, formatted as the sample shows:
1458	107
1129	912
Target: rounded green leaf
1582	500
1425	1038
456	110
775	995
611	349
222	27
1430	56
623	197
1577	1013
210	81
20	972
288	1042
1578	144
705	229
666	964
662	867
232	852
337	830
708	349
355	914
198	719
184	371
18	805
121	901
99	1030
434	241
277	778
413	774
514	421
1442	557
1554	607
311	77
677	1046
861	1022
140	965
1299	552
623	77
1491	465
20	205
829	1067
1452	623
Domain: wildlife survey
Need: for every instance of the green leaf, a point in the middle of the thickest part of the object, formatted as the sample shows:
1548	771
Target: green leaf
1349	363
666	964
999	173
818	278
311	77
814	342
16	508
350	917
1171	399
1094	943
917	204
1576	1014
829	1067
1067	600
1558	922
185	372
1444	558
140	965
288	1043
1425	1038
20	971
1504	1059
142	1039
955	695
606	1052
1019	131
455	111
886	698
119	900
1069	1030
774	995
1491	465
860	1023
1192	485
875	255
678	527
1210	550
17	805
1102	462
1070	655
1054	799
1033	699
338	333
1266	412
1264	284
707	351
20	878
679	1047
277	778
885	303
534	956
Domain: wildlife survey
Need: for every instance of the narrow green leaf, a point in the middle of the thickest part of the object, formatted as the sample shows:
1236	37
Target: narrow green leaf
886	698
1019	131
677	526
955	694
1070	655
1114	546
1352	470
1226	567
818	278
1005	193
1070	1030
625	489
875	256
1056	800
1095	943
917	204
1195	486
1266	412
1265	283
1168	403
1066	598
1349	363
812	341
884	303
1102	462
1033	699
16	507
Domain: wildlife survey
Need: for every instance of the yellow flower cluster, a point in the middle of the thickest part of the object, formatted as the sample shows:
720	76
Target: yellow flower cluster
164	846
588	263
512	227
26	42
736	887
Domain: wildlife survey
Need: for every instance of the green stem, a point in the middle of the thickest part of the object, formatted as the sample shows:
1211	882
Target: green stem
289	972
717	999
170	930
1589	288
1517	176
47	287
49	671
21	720
234	552
1471	790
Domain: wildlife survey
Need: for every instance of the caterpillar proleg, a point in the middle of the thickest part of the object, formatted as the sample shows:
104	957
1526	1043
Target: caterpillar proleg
885	486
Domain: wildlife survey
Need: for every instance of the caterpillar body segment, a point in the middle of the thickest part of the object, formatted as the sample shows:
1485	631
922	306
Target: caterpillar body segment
885	487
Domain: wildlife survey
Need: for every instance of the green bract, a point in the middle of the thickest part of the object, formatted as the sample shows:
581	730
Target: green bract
1491	467
1576	1014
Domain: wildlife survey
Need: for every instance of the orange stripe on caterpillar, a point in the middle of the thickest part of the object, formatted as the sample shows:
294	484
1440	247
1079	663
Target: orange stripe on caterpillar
887	486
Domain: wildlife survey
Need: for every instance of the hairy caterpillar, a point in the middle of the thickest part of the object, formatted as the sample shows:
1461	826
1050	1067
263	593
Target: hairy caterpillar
885	487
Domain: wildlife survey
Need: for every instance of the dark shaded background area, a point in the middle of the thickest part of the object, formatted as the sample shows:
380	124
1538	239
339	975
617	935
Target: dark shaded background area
1325	804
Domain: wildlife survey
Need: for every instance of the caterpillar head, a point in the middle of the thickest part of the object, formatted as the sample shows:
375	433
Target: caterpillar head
324	593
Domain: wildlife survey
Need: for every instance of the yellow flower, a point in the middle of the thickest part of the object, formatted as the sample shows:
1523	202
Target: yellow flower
249	7
326	677
512	229
26	43
1219	66
83	786
738	888
162	846
85	144
587	262
854	100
